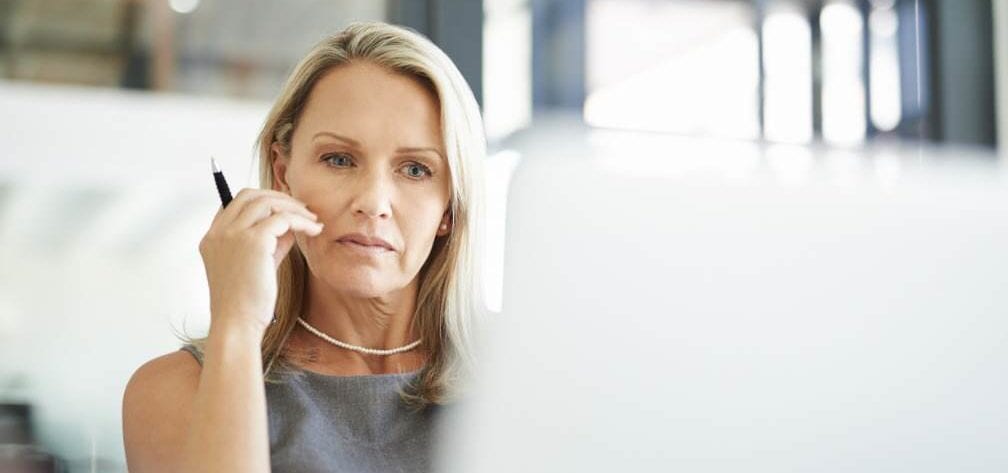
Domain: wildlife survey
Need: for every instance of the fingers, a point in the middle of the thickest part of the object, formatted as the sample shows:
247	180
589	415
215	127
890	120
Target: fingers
267	216
278	224
263	207
253	205
237	204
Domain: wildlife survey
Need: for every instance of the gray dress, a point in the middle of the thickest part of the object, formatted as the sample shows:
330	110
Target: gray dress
321	423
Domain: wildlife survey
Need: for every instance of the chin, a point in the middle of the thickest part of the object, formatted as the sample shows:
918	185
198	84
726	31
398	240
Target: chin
362	284
362	292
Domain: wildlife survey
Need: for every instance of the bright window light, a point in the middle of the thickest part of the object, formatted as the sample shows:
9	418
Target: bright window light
883	24
687	67
183	6
787	65
843	88
507	66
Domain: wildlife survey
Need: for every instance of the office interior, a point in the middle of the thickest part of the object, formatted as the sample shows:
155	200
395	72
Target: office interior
111	109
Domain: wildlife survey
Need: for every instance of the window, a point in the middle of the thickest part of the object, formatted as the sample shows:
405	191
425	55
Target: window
678	66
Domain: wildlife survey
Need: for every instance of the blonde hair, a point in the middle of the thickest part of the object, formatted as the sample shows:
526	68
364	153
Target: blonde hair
450	295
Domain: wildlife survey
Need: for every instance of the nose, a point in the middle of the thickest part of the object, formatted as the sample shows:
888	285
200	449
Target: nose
373	196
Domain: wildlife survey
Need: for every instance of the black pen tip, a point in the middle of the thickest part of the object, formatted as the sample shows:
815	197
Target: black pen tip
213	164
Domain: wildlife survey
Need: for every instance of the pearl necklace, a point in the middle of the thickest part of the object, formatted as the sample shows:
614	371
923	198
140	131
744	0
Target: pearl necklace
356	348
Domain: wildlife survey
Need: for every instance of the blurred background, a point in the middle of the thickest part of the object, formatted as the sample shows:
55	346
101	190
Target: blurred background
110	110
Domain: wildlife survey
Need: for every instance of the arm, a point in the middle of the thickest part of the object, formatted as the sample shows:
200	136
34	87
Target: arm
229	427
179	417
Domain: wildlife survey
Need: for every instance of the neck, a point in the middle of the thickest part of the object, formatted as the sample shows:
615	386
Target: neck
373	322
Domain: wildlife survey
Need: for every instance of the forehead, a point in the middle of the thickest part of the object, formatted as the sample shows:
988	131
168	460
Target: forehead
373	105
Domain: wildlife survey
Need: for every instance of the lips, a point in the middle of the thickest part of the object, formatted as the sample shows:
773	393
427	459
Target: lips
366	241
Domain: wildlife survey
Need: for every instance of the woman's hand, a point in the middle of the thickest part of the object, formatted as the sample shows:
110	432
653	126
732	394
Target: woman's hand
242	251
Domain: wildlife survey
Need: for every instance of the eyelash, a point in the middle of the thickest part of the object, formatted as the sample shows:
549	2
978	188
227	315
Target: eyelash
327	159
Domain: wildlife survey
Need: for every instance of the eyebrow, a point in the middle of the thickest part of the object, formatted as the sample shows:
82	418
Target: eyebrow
338	137
357	144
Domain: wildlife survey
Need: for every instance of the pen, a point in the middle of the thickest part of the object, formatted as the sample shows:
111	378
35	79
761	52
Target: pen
222	187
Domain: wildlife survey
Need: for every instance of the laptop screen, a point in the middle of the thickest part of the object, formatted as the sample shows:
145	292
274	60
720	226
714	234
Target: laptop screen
699	320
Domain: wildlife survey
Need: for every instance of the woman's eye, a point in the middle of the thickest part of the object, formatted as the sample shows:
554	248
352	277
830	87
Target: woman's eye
338	159
416	170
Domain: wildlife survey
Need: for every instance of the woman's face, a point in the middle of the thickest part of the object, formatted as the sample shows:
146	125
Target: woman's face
367	158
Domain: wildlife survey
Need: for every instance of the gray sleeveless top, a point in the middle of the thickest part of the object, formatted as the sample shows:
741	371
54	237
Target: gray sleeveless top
321	423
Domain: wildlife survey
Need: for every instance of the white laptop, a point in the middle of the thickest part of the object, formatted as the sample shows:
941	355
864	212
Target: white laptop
850	316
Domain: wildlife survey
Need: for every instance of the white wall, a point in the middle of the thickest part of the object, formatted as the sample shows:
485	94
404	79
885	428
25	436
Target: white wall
104	196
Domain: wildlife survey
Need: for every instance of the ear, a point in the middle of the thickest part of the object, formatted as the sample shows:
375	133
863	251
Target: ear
279	161
444	227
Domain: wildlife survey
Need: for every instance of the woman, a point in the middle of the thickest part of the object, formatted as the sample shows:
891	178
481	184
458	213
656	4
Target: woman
342	293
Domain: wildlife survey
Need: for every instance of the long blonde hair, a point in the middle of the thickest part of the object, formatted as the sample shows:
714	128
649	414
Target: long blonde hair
450	295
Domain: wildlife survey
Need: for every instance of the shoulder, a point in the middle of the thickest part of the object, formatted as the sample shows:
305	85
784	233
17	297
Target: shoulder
173	372
156	410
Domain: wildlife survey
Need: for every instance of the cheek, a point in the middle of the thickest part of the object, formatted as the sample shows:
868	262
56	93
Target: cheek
421	227
325	199
423	230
